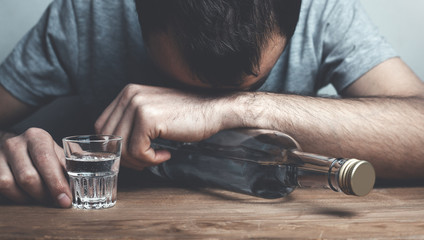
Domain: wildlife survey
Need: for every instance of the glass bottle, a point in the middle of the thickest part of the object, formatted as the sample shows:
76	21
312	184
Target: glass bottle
260	162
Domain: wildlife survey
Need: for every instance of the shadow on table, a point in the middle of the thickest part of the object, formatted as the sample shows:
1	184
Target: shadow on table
130	180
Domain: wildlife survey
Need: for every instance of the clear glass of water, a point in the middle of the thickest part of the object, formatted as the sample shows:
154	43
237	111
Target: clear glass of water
92	163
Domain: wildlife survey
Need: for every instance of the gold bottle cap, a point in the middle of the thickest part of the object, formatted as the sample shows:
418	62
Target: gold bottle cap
356	177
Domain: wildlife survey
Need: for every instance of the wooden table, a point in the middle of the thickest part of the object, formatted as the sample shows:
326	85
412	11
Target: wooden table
162	211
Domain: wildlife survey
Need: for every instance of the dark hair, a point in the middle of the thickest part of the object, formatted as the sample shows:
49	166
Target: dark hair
221	40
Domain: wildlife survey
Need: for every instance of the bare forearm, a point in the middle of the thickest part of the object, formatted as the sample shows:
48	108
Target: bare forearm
11	109
389	132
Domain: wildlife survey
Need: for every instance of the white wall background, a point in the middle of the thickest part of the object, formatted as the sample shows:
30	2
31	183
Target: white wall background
399	21
16	18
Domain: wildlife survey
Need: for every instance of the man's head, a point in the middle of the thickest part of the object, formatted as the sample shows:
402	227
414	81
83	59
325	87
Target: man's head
217	43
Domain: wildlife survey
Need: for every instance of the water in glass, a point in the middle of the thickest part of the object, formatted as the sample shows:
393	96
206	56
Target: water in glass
93	179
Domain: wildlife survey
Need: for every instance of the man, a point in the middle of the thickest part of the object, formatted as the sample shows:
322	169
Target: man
204	66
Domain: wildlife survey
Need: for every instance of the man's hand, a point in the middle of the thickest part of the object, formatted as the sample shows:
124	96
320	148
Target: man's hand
31	167
142	113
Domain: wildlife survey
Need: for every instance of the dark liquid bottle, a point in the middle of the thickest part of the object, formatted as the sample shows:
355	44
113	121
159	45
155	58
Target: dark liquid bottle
263	163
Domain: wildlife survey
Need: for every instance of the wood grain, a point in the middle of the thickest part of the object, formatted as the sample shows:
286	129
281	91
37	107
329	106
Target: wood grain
167	212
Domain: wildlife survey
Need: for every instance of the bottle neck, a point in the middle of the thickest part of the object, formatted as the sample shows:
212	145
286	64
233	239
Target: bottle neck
316	171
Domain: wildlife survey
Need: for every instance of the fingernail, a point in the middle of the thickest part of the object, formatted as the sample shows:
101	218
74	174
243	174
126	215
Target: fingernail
63	200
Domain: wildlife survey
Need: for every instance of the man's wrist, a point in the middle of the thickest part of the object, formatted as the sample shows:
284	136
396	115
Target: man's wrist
260	110
241	110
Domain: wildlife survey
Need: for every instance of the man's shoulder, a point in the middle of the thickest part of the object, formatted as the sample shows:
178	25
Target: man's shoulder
99	8
90	4
93	11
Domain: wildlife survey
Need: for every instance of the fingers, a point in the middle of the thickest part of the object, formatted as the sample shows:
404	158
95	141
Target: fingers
30	166
123	129
24	172
118	119
48	163
60	155
101	121
8	186
140	143
107	122
124	117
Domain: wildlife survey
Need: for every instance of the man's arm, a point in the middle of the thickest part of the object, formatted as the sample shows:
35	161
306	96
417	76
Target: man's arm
381	121
11	109
31	164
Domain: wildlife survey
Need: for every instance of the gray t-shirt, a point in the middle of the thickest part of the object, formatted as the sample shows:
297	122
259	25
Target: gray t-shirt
94	48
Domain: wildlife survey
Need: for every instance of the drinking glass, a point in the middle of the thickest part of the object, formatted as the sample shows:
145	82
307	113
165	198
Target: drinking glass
92	163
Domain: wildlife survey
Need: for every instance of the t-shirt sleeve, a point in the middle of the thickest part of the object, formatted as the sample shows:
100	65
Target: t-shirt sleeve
352	44
45	59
